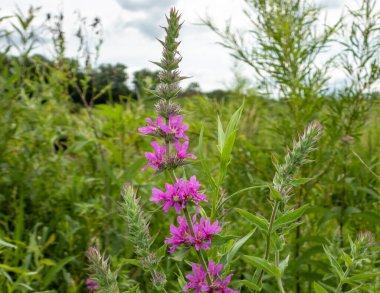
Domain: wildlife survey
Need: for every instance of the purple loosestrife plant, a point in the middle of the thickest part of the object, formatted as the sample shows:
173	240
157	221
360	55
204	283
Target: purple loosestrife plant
180	194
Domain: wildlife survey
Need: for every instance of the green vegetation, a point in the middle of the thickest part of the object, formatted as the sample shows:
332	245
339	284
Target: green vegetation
69	143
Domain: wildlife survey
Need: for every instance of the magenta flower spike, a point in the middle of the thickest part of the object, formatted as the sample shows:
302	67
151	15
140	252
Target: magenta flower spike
175	127
178	194
157	158
198	281
182	150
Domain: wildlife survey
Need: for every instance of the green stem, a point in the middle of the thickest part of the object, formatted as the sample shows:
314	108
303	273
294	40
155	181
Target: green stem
269	234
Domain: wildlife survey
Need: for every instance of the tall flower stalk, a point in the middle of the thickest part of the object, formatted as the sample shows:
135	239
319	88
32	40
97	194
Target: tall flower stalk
191	231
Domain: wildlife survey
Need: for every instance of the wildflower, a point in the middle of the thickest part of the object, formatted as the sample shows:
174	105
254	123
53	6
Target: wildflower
198	281
157	158
179	234
202	230
192	187
178	194
153	127
91	285
181	150
175	127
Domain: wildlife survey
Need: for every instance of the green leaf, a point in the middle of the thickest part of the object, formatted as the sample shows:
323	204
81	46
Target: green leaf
363	276
259	222
299	181
13	269
334	263
263	265
7	244
228	257
235	119
275	194
284	264
221	135
289	217
318	288
249	285
132	261
347	259
220	240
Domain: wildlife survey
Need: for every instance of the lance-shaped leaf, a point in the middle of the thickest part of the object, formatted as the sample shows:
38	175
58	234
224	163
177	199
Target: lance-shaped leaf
228	257
263	265
259	222
289	217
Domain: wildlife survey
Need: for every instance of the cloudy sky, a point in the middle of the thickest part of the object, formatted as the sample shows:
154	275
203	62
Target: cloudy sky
131	26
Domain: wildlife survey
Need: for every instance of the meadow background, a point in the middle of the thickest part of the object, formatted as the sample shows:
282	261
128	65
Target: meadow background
69	142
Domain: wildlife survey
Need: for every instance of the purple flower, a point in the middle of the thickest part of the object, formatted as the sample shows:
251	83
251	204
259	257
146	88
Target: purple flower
174	130
192	187
181	150
198	281
152	127
178	194
179	234
91	285
157	158
203	231
175	127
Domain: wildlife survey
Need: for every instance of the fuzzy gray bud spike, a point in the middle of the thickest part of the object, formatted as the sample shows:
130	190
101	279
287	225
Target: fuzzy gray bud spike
296	157
137	223
169	75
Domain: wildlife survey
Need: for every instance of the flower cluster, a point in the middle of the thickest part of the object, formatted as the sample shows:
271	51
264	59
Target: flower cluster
178	194
162	158
172	131
198	281
200	237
